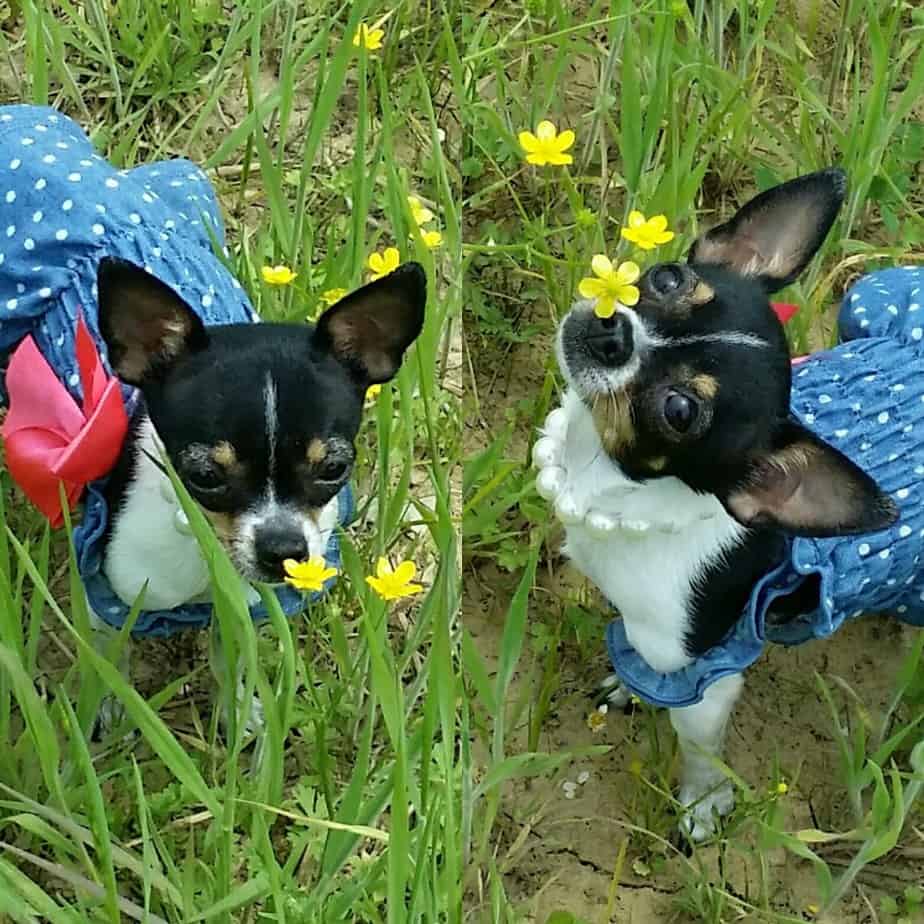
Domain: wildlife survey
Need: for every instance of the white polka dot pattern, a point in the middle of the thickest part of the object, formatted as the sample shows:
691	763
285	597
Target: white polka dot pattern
63	207
866	397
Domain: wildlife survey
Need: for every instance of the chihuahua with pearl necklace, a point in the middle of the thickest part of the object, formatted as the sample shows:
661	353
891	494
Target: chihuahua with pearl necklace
721	495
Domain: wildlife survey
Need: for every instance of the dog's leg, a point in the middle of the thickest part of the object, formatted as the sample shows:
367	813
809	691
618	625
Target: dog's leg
111	711
250	713
612	693
701	732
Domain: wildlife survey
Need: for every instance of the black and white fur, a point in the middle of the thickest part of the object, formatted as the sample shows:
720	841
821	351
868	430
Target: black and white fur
257	419
675	467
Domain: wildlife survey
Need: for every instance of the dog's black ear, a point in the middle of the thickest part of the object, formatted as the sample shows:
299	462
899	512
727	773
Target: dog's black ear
370	329
775	235
145	324
806	487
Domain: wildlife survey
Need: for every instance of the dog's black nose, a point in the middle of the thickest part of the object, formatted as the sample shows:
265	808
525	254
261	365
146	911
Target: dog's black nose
610	339
274	544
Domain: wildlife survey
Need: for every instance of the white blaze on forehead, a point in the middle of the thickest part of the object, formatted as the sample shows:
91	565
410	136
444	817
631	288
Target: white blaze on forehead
731	337
592	379
271	418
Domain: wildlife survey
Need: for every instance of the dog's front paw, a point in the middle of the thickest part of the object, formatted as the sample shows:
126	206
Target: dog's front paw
703	809
255	719
610	692
249	713
109	717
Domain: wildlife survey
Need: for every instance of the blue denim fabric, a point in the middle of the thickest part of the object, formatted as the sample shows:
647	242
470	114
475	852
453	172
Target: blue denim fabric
866	398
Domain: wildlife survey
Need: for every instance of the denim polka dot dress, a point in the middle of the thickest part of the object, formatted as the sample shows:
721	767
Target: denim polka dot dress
63	208
866	398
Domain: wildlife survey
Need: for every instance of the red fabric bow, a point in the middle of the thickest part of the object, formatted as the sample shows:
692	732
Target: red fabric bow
49	439
783	310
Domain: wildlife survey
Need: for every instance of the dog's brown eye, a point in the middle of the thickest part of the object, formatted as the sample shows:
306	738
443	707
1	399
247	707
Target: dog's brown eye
332	471
680	411
206	481
666	279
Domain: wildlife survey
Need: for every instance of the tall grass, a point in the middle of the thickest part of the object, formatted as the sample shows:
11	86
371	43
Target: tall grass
348	808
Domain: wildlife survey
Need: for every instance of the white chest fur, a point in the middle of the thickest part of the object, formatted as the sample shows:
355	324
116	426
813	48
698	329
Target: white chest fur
145	544
642	544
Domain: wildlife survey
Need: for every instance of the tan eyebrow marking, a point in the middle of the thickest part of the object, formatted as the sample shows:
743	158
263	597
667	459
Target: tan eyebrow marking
702	294
224	454
705	385
317	451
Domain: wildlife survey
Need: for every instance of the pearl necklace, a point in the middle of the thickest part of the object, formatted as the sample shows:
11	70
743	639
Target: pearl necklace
551	485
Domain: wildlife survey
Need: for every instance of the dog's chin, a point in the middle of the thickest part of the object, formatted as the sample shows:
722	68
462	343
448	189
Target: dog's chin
255	574
593	384
247	568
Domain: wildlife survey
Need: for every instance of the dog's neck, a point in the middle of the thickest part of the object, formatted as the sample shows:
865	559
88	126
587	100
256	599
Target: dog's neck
150	540
608	500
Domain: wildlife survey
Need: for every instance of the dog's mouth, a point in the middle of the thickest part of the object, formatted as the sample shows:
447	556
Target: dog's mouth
257	573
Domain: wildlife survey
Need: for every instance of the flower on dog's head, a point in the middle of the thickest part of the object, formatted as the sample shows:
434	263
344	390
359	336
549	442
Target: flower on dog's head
647	233
277	275
370	39
612	287
381	264
308	575
332	296
547	146
393	583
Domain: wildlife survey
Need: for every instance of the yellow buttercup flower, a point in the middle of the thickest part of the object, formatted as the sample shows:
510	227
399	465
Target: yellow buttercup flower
432	239
381	264
393	583
547	146
647	233
613	287
372	392
308	575
332	296
419	212
370	39
782	788
277	275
